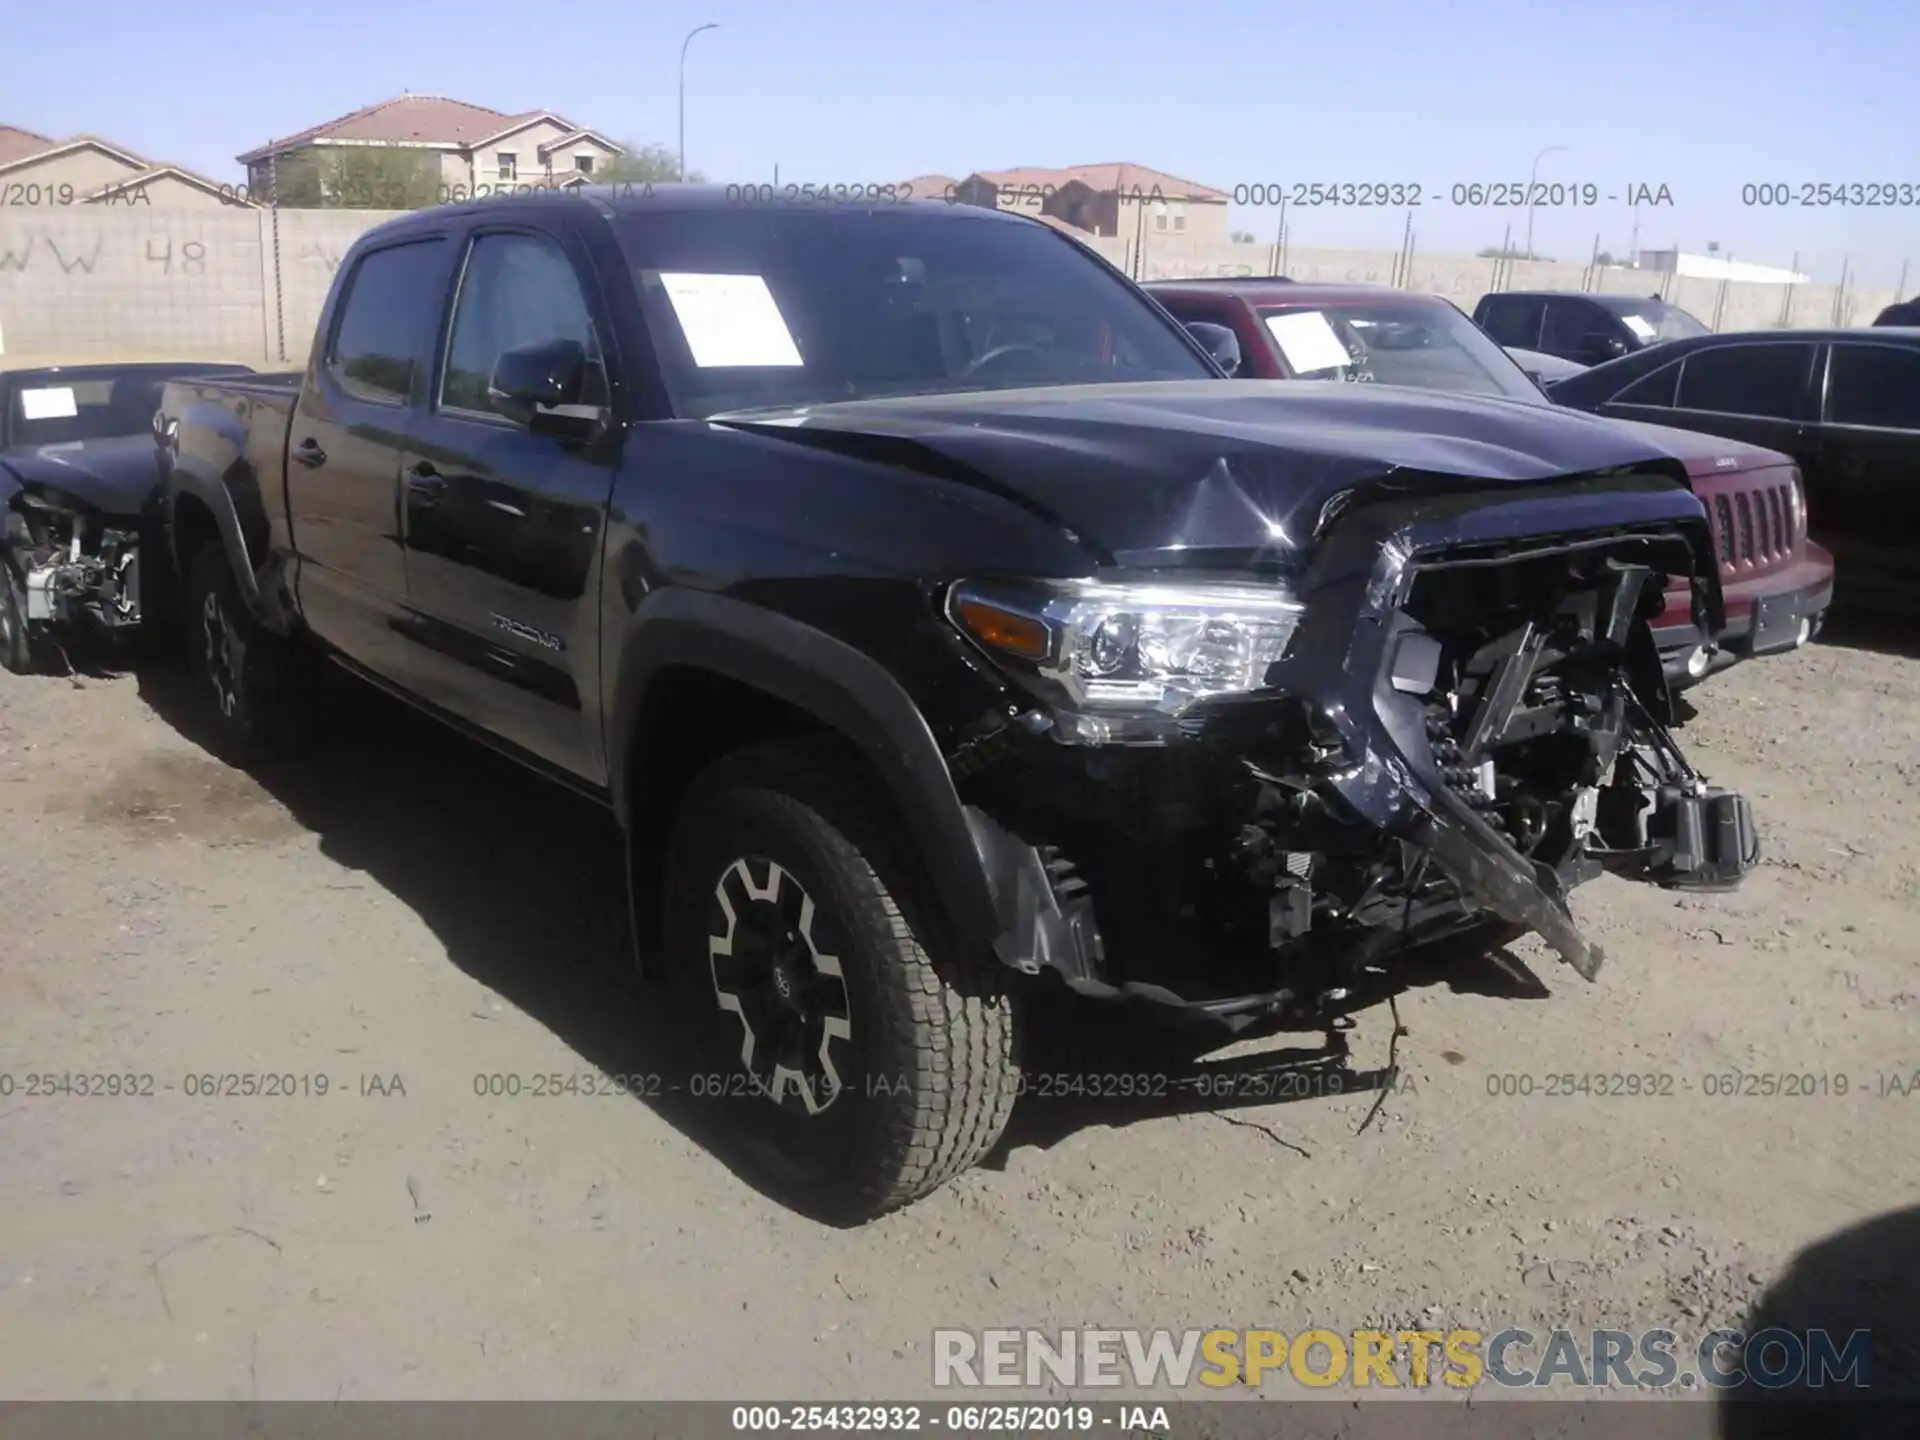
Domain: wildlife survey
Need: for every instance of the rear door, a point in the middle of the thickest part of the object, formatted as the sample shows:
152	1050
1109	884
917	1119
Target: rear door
1512	320
1863	490
504	527
1757	391
345	443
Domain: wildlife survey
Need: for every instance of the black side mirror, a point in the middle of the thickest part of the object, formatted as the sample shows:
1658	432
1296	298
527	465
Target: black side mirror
1602	346
540	385
1220	342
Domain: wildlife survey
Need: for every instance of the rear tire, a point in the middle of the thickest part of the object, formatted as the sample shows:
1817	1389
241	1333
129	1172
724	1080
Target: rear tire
865	1058
259	682
16	646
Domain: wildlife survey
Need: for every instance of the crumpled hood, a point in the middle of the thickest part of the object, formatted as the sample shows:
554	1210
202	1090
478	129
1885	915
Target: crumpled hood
1707	454
115	477
1223	465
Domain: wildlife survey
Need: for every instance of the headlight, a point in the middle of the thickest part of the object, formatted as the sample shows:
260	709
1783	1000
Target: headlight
1120	660
1798	499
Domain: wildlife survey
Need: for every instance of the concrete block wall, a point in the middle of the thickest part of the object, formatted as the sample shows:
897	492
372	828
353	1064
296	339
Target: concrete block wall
237	284
138	283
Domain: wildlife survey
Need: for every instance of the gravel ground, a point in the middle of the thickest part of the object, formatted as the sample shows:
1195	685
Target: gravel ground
403	913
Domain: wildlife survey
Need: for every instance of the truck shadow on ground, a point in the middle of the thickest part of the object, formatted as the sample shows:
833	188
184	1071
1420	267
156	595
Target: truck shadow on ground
523	883
1091	1063
1865	1278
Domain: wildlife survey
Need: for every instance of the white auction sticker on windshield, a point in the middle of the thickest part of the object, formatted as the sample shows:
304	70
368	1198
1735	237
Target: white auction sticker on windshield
53	403
1307	341
730	320
1637	326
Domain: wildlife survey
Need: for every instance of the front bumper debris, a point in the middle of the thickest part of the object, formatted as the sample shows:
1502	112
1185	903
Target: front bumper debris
80	571
1469	722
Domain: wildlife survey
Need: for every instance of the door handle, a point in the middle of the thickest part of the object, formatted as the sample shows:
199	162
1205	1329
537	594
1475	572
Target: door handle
309	453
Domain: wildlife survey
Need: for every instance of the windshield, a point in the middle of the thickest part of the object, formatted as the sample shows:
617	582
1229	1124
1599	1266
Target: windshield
58	407
1653	321
1430	347
788	307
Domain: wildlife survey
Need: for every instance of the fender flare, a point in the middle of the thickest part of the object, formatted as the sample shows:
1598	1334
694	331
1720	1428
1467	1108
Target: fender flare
218	500
844	688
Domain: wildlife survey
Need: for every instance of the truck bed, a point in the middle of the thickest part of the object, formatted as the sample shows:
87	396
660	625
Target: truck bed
269	382
233	432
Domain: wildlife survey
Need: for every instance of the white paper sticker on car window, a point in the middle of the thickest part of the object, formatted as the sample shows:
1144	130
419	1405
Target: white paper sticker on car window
1307	341
1637	326
52	403
730	320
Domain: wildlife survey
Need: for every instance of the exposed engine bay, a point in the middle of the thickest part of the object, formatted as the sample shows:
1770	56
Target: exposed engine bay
1454	738
79	570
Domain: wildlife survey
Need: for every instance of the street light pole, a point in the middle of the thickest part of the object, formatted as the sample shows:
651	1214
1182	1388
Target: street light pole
714	25
1532	175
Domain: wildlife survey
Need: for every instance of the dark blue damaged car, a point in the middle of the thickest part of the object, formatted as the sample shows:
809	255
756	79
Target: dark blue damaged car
941	624
79	488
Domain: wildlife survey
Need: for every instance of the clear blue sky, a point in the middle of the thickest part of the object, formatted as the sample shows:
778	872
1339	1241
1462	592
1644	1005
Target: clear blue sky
1699	95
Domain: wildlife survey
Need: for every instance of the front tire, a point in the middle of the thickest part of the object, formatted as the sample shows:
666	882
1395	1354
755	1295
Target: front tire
256	680
865	1057
16	645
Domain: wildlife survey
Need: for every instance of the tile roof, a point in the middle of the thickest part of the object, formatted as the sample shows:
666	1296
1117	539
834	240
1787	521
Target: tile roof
422	119
573	138
228	194
931	186
15	151
43	153
17	144
1123	175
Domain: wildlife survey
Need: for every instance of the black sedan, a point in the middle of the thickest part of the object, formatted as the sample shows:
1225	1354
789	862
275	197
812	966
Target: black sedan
1845	404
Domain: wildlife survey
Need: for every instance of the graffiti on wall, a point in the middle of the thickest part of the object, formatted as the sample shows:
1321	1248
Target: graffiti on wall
155	254
20	255
51	251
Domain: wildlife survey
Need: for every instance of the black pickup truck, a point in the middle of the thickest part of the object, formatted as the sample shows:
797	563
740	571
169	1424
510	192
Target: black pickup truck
940	623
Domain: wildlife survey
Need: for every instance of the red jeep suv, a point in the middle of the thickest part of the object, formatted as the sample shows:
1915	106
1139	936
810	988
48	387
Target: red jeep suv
1778	583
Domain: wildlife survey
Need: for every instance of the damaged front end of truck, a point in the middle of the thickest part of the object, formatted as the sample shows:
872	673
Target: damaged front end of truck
1246	797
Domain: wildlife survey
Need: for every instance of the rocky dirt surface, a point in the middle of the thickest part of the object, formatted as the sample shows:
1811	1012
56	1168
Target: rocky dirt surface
403	913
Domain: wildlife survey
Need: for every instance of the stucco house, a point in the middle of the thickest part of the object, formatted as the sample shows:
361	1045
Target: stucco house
38	170
1125	201
460	145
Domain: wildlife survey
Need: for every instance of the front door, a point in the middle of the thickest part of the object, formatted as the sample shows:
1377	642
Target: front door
344	448
1863	488
504	528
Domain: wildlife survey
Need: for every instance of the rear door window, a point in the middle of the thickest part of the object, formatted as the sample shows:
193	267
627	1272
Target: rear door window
384	335
1656	389
1513	319
1761	380
1875	385
1569	323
